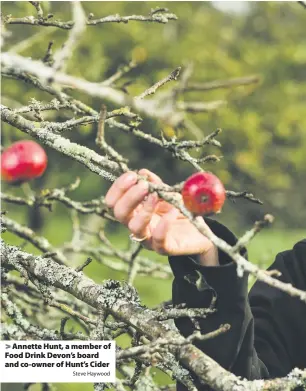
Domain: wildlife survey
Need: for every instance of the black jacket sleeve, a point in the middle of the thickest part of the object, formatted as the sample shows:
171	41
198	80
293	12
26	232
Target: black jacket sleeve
267	337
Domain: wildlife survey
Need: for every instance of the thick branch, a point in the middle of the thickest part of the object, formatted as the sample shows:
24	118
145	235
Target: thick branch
123	304
82	154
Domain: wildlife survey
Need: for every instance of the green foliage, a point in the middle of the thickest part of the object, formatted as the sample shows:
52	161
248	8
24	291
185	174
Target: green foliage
263	138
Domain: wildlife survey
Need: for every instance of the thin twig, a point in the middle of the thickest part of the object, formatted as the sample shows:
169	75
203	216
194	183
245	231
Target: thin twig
122	70
150	107
100	134
200	107
39	10
249	235
155	18
212	85
150	91
79	25
38	241
48	58
243	194
134	264
82	267
157	344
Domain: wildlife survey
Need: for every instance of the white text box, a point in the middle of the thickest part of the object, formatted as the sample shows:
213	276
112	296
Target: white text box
58	361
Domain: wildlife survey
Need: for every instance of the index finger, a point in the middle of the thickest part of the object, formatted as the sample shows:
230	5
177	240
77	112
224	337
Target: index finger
150	175
120	187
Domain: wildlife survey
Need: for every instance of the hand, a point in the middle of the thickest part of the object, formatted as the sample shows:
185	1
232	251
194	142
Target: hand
166	230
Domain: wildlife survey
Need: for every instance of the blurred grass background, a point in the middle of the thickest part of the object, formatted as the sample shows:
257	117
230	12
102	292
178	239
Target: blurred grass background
263	138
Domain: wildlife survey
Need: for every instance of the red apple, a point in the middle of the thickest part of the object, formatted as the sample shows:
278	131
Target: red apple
23	161
203	193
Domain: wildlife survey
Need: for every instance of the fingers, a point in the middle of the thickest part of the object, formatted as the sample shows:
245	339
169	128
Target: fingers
119	187
163	206
124	182
160	232
126	197
150	175
139	224
125	206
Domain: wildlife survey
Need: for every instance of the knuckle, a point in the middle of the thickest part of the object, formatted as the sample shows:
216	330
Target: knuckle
132	226
108	201
145	216
120	213
143	171
137	226
143	187
124	182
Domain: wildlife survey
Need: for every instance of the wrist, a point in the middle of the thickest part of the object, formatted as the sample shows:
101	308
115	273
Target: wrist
209	257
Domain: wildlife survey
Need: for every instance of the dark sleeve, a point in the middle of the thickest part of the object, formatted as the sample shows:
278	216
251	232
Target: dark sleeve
268	332
280	319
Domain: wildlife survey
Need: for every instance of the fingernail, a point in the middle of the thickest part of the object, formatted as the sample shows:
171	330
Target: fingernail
144	185
130	178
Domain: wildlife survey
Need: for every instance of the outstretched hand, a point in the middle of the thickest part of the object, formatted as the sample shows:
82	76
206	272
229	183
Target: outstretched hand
164	228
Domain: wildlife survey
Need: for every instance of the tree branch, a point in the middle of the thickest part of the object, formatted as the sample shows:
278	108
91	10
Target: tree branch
49	21
123	303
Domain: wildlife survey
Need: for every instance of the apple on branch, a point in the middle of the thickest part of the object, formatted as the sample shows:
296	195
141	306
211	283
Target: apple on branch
23	161
203	193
